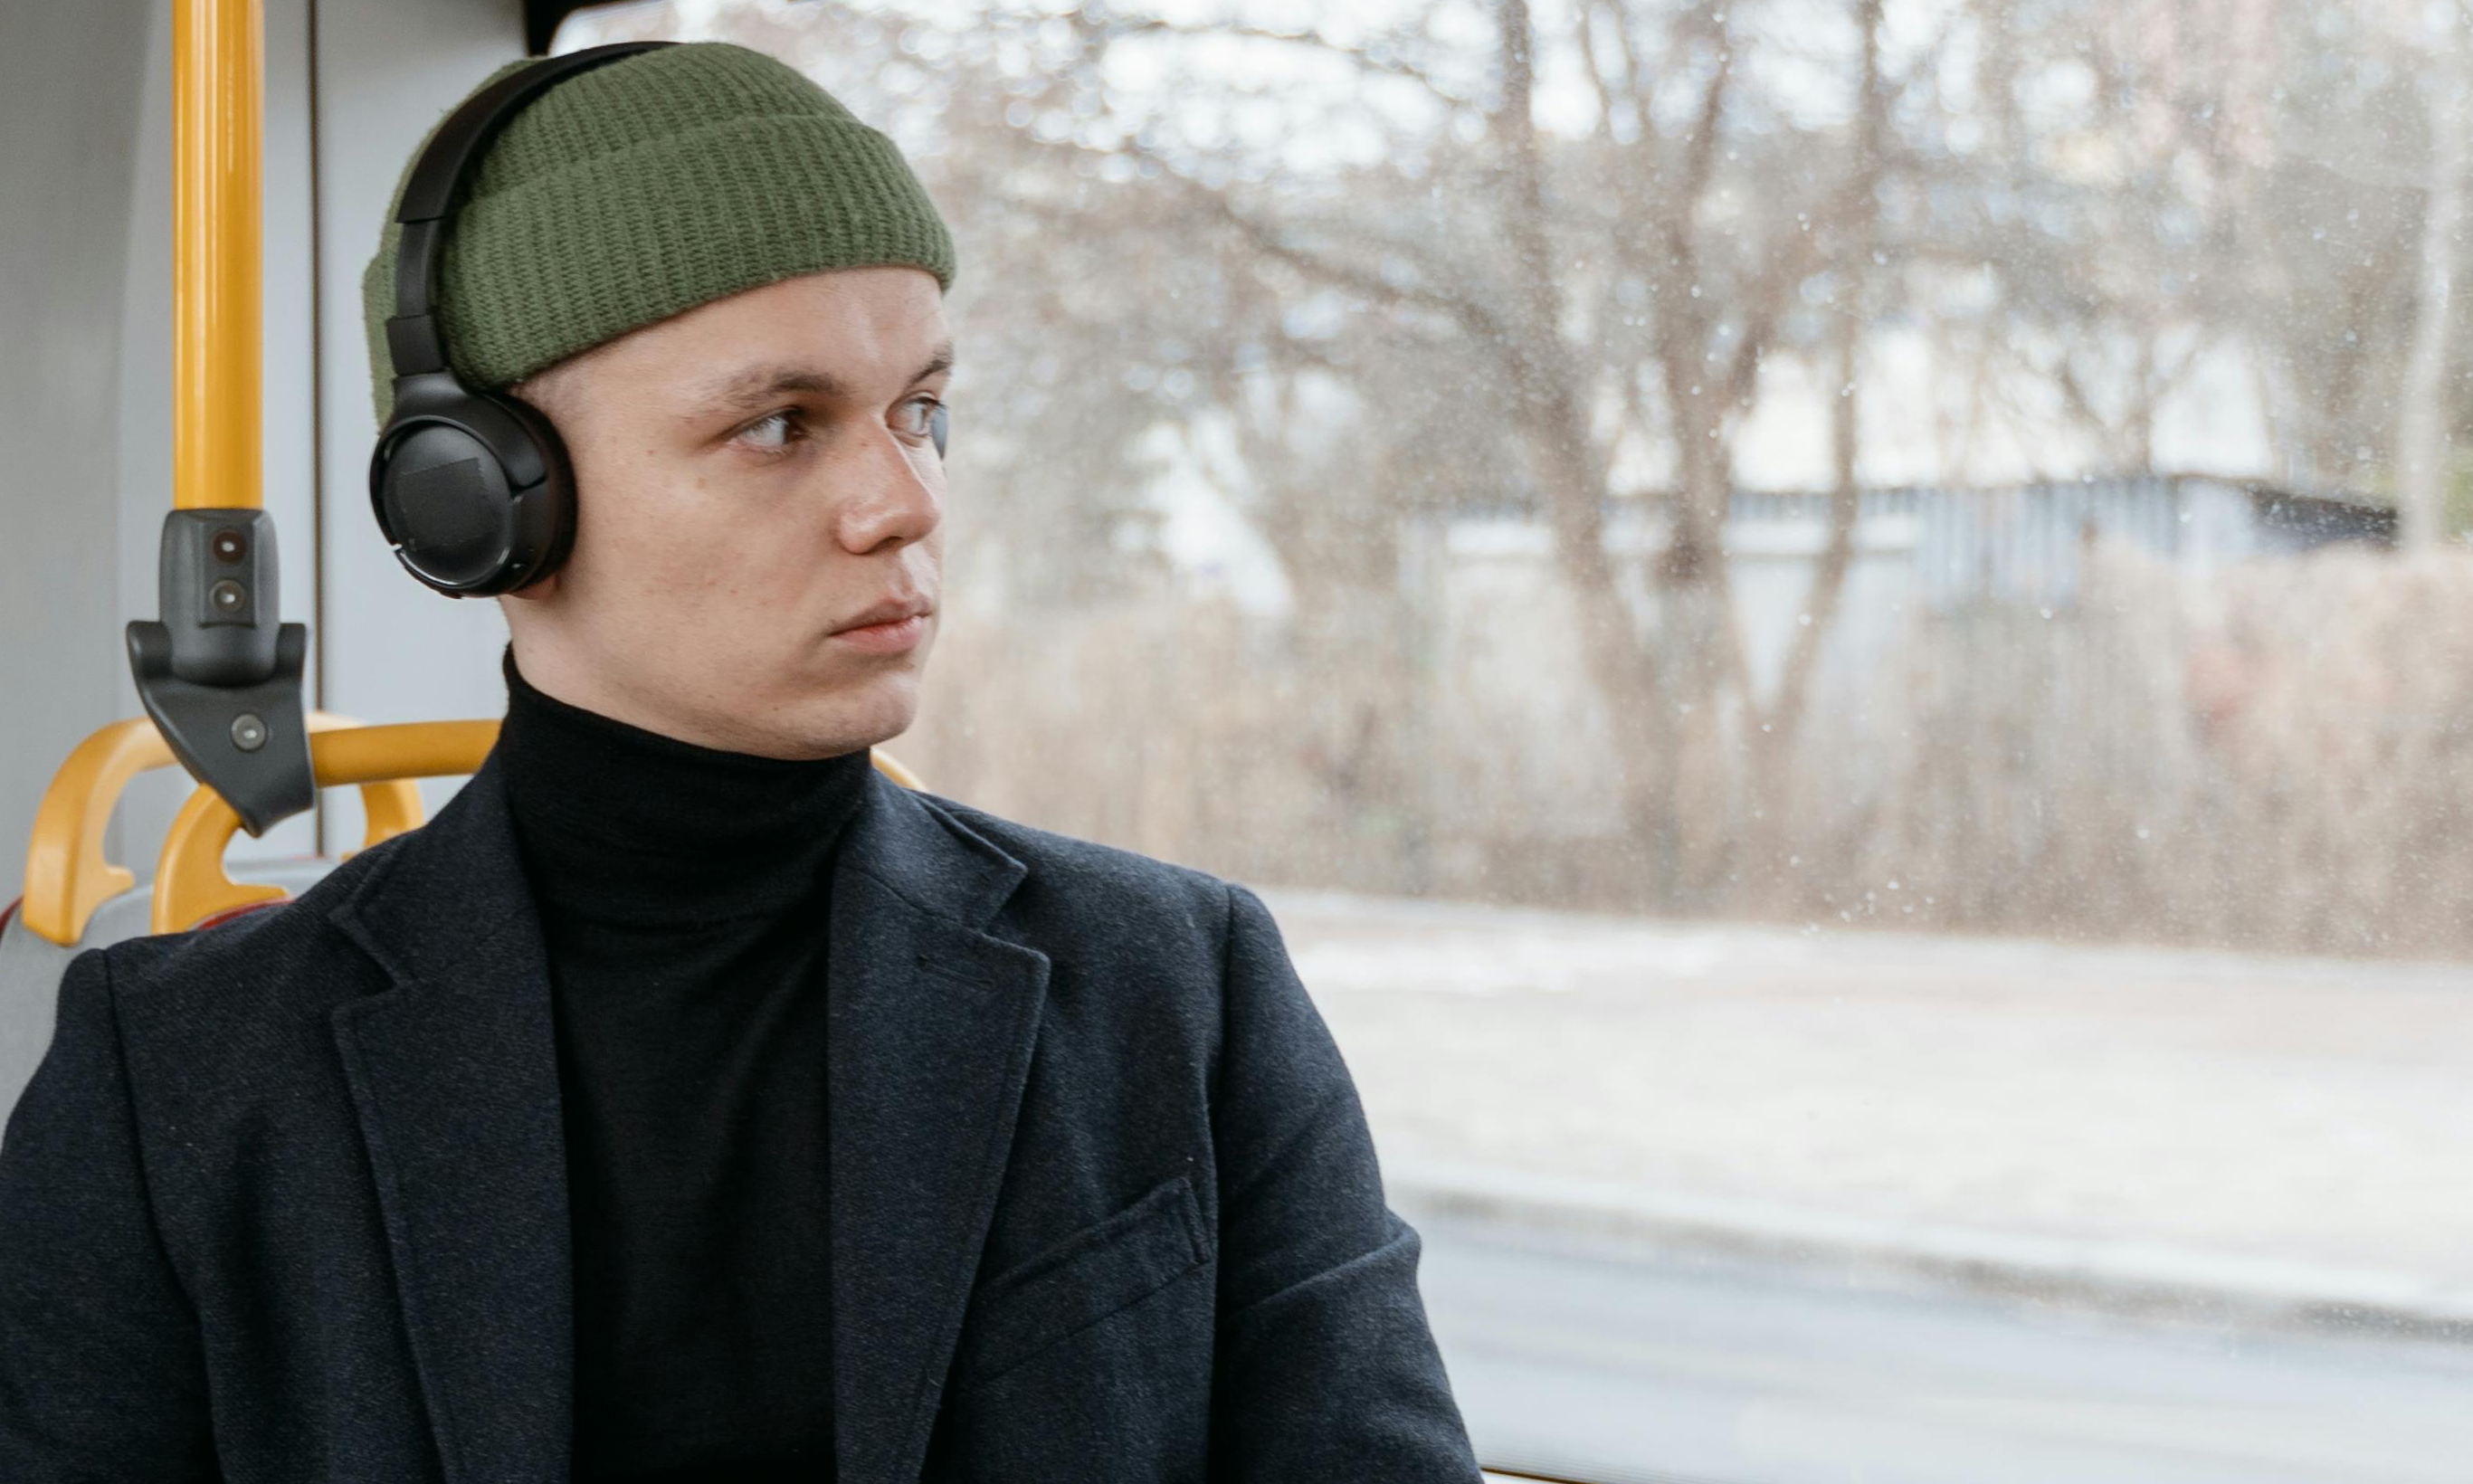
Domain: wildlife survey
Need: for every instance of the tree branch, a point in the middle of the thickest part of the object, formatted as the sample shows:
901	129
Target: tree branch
1313	40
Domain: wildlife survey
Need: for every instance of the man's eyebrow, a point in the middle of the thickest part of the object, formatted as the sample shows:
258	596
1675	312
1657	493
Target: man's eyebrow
746	390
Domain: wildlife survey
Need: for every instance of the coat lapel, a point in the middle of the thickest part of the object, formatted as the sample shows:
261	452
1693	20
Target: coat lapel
453	1074
933	1020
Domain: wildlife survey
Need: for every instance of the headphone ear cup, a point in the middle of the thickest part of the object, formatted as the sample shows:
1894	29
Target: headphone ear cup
545	516
473	490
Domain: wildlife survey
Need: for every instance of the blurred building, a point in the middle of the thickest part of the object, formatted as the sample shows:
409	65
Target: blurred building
1500	625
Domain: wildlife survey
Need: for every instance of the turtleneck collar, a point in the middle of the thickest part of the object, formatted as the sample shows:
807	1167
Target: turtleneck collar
622	825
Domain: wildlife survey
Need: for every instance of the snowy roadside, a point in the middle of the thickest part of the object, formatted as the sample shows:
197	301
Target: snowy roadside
2145	1279
2211	1135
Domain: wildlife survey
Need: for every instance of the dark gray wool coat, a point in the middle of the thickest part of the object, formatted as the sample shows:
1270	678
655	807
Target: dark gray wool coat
286	1200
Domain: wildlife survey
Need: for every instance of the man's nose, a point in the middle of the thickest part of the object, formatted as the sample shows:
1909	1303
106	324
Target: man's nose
893	497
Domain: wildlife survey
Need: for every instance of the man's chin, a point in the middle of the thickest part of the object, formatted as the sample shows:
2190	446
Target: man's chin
850	717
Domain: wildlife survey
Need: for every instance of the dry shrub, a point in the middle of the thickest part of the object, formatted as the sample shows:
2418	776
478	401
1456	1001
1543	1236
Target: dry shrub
2270	756
2275	754
1184	729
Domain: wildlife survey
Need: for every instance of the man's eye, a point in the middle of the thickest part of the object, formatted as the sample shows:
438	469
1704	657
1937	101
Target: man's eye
923	411
771	433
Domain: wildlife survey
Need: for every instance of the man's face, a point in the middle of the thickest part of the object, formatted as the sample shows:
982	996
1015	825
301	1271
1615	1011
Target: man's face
754	479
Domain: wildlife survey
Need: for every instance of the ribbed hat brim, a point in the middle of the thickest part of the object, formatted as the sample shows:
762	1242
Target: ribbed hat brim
588	242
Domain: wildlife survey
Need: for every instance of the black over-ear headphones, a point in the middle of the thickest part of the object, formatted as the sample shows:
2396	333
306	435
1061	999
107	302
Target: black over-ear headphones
472	488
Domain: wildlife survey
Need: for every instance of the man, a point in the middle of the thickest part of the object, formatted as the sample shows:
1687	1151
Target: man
687	1101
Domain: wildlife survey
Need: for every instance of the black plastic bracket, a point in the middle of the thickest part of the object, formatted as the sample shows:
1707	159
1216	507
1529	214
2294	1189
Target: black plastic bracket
219	674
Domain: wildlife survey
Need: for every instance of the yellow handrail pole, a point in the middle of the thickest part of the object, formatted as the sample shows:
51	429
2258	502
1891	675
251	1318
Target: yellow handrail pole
218	130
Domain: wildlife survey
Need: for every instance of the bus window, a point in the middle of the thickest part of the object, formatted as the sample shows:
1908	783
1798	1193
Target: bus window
1837	630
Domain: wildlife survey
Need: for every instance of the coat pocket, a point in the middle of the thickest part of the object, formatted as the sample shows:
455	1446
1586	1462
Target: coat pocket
1099	1271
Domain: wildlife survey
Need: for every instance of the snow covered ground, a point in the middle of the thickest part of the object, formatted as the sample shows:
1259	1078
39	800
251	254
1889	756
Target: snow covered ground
2242	1121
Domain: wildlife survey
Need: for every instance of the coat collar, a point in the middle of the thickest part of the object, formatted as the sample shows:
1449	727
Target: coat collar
453	1075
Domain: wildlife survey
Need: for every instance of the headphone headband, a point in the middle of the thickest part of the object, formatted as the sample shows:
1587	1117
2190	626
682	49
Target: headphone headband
413	344
470	488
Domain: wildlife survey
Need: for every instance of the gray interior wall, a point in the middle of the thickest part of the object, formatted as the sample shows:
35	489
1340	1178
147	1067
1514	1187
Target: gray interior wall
85	286
395	650
70	83
86	310
85	263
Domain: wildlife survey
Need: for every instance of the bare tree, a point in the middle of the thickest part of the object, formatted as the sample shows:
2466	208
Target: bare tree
2422	406
1653	265
1773	740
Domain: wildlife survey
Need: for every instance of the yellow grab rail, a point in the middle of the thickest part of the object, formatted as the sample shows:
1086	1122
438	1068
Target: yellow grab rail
67	875
191	883
218	188
218	130
899	774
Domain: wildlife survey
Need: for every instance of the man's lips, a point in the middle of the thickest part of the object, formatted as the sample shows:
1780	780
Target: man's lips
890	611
889	636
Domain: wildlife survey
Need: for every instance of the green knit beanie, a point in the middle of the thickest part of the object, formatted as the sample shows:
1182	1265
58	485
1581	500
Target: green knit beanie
641	189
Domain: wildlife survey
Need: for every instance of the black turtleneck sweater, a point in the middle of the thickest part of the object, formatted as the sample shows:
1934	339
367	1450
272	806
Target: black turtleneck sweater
683	893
